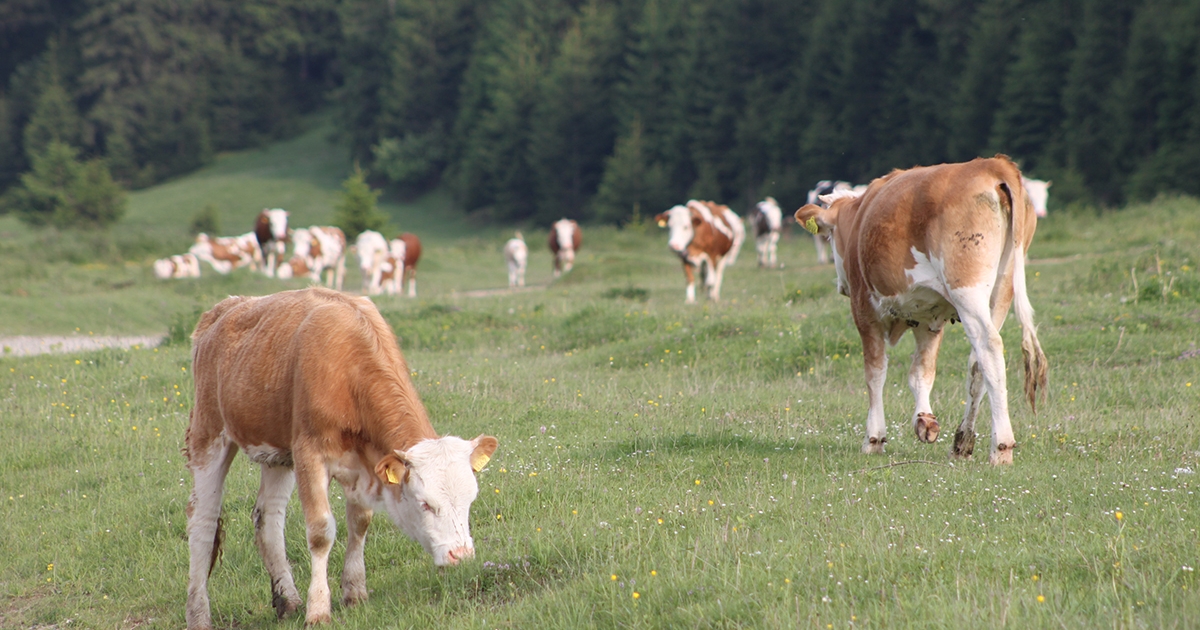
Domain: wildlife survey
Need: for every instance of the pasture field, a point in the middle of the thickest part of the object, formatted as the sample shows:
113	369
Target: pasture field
660	465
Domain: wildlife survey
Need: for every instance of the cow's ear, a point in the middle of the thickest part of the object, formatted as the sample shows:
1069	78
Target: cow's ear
816	219
392	468
482	448
661	219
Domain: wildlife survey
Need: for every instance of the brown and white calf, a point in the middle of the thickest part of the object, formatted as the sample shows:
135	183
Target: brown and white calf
564	241
768	223
226	253
271	232
410	254
703	240
516	256
926	247
323	249
177	266
372	248
312	386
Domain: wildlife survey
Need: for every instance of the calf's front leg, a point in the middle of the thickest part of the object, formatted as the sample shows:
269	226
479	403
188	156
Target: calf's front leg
312	477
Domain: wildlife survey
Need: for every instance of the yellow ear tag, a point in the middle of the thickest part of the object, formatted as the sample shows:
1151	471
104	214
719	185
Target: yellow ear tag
662	223
392	477
811	225
479	461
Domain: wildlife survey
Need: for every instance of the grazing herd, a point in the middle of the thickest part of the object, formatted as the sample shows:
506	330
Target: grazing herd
311	384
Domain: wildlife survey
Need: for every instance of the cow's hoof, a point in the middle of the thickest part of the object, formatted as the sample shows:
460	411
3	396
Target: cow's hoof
313	620
353	597
1003	455
285	604
964	445
927	428
874	445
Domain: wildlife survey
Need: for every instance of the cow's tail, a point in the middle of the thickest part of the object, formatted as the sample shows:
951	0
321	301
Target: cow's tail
218	544
1031	350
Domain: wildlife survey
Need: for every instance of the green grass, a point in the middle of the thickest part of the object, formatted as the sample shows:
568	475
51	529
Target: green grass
738	425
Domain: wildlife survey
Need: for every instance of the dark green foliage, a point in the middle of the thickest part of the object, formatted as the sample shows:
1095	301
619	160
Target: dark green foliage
66	193
357	211
205	221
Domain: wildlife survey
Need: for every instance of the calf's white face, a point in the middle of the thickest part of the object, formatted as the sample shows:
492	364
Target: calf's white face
278	218
429	495
679	222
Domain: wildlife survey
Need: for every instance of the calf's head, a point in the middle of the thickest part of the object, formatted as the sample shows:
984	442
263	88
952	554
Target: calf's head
428	491
681	222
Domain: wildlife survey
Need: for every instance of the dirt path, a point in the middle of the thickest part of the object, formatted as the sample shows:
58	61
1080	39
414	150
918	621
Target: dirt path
29	345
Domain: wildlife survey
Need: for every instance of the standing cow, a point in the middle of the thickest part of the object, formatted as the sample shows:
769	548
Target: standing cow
311	385
768	223
271	232
372	247
410	255
516	255
703	240
565	239
926	247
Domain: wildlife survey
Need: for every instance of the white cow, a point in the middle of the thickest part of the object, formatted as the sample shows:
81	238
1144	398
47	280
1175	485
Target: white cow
768	222
372	247
516	255
1039	194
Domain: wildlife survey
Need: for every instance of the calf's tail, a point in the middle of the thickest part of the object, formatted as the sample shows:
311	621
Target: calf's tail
1031	350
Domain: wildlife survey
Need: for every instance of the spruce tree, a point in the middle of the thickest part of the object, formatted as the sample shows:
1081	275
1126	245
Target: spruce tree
357	211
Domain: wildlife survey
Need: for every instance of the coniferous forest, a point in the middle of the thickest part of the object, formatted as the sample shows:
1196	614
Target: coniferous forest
600	110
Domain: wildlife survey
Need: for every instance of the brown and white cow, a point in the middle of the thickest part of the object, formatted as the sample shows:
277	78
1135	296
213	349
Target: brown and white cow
311	385
271	232
372	248
516	256
410	254
226	253
324	249
703	240
564	241
768	223
926	247
177	266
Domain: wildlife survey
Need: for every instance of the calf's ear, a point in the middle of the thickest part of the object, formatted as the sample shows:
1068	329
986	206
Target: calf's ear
482	449
392	468
816	219
661	219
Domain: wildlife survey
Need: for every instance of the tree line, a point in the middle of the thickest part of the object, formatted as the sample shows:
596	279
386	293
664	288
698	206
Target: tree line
607	110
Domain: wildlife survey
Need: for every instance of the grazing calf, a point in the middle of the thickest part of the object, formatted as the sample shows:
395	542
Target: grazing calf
702	240
311	385
372	248
768	222
177	266
564	241
1038	192
825	187
271	232
226	253
516	255
409	255
317	250
926	247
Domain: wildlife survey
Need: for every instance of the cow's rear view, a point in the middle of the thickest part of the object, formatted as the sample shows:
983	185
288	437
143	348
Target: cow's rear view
311	385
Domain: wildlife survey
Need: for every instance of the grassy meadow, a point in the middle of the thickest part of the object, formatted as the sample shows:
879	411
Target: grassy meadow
660	465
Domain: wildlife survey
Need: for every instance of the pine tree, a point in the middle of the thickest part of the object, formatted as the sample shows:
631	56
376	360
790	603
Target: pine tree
357	212
62	191
632	186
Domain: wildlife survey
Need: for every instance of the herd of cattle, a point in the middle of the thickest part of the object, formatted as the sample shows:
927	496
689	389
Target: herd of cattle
311	384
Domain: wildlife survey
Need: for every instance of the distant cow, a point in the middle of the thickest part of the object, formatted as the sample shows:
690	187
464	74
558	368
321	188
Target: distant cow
703	240
411	255
271	232
516	255
823	188
1039	194
177	266
318	249
372	247
226	253
564	241
768	222
926	247
311	385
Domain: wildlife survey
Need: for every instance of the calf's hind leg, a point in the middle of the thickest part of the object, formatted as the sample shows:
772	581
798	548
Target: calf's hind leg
268	516
209	467
920	381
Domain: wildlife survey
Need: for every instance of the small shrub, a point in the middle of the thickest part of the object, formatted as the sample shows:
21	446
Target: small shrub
206	221
636	294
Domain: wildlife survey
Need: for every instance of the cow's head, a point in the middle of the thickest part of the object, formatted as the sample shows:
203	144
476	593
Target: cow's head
682	222
822	219
428	491
278	220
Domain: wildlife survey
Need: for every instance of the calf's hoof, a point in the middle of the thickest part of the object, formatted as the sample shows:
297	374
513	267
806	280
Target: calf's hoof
285	604
353	595
964	445
1003	455
313	620
927	428
874	445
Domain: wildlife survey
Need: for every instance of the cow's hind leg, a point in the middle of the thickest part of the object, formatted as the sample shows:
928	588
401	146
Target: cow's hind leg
988	349
920	381
354	572
964	437
204	524
875	363
268	517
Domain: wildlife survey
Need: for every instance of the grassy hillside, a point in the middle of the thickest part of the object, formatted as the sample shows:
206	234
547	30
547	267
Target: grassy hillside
660	465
